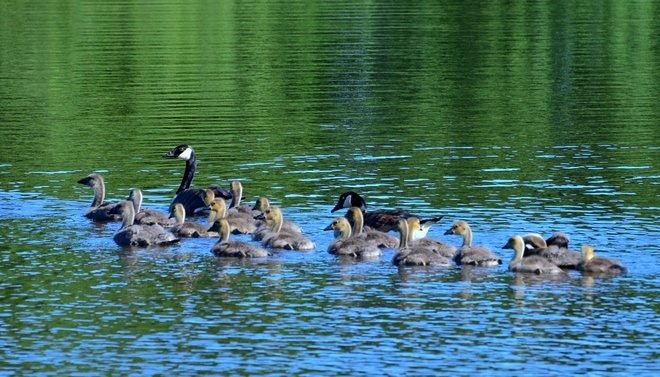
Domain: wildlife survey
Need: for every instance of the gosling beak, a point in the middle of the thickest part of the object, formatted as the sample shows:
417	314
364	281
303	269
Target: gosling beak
450	231
329	227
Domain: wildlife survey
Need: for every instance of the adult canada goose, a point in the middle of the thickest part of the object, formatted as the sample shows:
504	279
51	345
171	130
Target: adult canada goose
437	246
188	229
554	249
238	249
600	265
239	223
281	239
99	210
532	264
347	244
139	235
472	255
148	216
192	198
406	255
381	239
382	220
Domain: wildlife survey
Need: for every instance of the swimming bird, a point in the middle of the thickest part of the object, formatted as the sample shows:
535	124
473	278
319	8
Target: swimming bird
239	223
381	239
282	239
148	216
554	249
406	255
532	264
437	246
192	199
139	235
382	220
259	207
240	217
345	243
238	249
589	262
99	210
188	229
472	255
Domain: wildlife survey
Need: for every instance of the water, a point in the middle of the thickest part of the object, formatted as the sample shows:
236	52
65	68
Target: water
517	117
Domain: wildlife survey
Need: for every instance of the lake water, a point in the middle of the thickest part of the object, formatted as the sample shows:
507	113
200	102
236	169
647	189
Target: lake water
515	116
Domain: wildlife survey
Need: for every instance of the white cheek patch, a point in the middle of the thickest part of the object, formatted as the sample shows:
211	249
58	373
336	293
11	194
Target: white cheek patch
185	155
347	202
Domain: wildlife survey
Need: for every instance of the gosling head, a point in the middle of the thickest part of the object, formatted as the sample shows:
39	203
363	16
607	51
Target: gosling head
92	180
340	226
460	228
587	253
178	212
261	204
515	242
183	151
558	239
208	196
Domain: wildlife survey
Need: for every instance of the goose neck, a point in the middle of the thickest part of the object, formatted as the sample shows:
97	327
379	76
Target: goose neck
189	173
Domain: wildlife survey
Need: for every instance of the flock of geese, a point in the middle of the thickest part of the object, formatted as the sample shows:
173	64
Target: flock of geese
358	234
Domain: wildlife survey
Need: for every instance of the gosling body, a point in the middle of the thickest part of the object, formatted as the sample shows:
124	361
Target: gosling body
591	263
234	249
131	234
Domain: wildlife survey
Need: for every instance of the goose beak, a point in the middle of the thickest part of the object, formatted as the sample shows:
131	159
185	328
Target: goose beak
337	208
329	227
260	216
450	231
506	246
169	154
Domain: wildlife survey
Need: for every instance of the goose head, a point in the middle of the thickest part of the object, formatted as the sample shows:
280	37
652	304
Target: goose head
92	180
236	193
274	218
350	199
587	253
558	239
461	228
136	197
516	243
534	241
217	208
178	212
183	151
261	204
126	210
341	227
207	195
